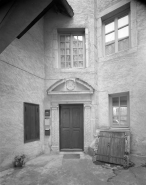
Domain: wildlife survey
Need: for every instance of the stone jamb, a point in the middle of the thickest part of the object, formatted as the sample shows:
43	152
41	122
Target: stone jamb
86	48
55	127
87	126
55	49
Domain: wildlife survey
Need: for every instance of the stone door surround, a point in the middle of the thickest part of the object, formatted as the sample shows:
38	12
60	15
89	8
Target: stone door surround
70	91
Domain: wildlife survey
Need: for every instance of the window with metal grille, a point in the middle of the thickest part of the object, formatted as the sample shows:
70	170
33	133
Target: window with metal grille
119	110
31	122
116	34
72	51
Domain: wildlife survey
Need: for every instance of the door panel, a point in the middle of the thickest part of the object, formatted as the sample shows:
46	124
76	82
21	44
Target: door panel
65	116
104	149
75	139
117	148
76	117
66	142
71	127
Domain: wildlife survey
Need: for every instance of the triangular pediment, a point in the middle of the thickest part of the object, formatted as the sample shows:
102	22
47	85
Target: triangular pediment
70	86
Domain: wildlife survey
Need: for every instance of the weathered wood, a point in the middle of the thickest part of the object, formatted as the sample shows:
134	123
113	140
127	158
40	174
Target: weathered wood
31	122
71	127
19	16
111	147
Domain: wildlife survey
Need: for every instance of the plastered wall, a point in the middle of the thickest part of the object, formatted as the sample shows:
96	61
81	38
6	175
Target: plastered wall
84	16
121	72
125	72
29	66
21	80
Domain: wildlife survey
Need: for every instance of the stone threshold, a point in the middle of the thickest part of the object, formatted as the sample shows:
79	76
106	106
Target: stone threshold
81	153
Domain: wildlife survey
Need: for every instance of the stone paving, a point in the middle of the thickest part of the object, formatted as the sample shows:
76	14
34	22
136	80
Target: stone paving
55	170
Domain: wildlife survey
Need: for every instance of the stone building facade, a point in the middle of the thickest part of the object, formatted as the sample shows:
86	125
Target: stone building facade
31	70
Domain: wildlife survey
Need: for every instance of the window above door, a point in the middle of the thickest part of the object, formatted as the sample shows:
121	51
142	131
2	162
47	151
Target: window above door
71	50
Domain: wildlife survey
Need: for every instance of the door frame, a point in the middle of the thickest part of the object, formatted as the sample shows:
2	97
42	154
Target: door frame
71	150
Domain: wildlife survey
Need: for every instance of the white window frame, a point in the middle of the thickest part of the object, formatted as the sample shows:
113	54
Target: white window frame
78	33
115	20
111	96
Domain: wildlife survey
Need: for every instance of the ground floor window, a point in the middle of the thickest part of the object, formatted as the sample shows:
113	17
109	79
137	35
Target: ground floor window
119	110
31	122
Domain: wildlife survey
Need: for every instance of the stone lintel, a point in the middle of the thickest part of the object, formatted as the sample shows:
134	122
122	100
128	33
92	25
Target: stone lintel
87	105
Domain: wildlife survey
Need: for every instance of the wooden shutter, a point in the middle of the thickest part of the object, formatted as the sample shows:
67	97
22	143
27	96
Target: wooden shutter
31	122
37	125
111	147
26	129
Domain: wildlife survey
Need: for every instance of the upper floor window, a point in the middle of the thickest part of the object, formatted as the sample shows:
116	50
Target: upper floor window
116	33
72	50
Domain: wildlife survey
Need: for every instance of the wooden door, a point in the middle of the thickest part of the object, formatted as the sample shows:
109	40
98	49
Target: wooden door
111	147
71	127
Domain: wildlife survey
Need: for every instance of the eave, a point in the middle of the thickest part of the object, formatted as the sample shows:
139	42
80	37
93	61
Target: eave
18	16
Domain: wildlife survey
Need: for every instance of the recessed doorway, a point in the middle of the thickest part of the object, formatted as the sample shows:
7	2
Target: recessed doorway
71	127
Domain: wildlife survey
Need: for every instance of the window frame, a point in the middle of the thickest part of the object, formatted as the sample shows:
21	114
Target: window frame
24	110
72	33
118	95
114	18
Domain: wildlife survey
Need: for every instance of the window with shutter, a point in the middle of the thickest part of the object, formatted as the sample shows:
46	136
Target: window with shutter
31	122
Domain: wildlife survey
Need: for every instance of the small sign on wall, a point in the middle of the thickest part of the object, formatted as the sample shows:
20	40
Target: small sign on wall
47	112
47	132
47	127
47	124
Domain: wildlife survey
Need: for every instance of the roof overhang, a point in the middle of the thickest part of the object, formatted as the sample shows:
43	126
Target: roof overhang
67	8
18	16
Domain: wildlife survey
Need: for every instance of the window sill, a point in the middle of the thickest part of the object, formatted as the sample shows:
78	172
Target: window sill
33	140
118	54
71	69
74	70
120	129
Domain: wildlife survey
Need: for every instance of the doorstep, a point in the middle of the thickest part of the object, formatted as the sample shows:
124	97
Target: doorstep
82	154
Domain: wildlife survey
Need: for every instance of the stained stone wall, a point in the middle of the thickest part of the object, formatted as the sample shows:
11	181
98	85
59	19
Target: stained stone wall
55	127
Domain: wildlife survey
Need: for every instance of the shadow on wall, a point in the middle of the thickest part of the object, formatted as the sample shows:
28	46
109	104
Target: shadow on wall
141	1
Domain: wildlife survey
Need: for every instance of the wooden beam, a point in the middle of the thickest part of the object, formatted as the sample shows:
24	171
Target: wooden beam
18	18
4	10
68	8
35	20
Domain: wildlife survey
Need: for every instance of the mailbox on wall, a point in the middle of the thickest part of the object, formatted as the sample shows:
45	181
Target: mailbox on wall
47	127
47	122
47	113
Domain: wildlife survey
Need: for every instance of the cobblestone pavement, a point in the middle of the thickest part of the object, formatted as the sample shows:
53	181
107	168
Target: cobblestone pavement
54	170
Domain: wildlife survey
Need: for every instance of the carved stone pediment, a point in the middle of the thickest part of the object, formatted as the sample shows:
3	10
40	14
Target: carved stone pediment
70	86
